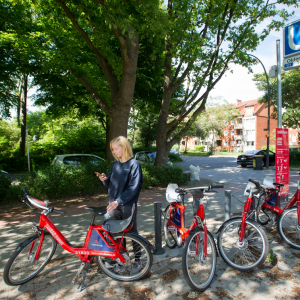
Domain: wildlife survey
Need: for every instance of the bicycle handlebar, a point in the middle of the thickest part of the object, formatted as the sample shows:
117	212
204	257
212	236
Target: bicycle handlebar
217	186
58	211
257	184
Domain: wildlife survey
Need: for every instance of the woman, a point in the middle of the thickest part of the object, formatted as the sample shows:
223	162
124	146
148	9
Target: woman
124	182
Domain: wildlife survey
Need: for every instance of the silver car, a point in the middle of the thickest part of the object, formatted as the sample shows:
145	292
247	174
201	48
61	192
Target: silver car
77	159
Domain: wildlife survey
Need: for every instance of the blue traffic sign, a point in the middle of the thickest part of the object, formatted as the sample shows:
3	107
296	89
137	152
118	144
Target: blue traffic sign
291	39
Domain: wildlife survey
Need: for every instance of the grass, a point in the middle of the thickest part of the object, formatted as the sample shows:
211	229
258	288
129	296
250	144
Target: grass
195	153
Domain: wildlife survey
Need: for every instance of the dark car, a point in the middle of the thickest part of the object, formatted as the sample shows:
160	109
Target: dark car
246	159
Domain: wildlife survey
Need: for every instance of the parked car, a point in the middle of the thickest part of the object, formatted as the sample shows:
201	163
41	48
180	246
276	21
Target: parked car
77	159
246	159
147	157
175	151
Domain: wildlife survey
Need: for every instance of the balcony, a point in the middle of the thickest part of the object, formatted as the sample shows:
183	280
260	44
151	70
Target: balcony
238	137
238	126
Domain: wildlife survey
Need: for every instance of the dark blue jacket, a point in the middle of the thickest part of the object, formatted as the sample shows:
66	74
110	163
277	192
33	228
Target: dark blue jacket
124	182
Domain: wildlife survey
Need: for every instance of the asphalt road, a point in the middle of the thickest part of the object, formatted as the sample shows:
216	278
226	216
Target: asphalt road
207	163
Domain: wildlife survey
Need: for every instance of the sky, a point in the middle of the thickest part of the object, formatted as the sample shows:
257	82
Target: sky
239	84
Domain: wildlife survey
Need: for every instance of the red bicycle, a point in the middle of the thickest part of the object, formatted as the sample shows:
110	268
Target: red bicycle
120	254
199	257
242	242
288	218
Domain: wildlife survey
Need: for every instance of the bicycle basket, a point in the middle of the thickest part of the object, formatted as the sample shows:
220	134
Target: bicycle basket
249	185
268	182
171	195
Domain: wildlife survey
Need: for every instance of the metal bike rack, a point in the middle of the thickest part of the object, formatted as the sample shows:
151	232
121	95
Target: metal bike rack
157	229
227	204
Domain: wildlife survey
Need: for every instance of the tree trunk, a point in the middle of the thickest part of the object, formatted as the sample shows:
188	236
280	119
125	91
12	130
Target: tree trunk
19	102
24	116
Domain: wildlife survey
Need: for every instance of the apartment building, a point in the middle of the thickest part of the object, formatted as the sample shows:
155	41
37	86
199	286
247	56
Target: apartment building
247	132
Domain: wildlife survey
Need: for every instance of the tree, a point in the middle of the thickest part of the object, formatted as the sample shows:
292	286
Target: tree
290	89
202	39
98	42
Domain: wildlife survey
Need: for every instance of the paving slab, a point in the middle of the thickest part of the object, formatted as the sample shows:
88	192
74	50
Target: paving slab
166	280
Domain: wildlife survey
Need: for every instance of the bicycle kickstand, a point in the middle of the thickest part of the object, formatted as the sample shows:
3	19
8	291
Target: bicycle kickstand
88	265
78	272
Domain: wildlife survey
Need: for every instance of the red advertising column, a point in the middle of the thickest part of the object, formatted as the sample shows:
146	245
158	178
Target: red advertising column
282	161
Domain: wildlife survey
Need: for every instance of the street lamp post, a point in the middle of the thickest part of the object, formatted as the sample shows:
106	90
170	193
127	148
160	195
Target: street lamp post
268	134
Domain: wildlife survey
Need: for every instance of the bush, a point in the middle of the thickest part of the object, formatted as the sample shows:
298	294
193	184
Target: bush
173	157
224	150
294	156
54	182
271	147
175	147
162	175
199	148
143	148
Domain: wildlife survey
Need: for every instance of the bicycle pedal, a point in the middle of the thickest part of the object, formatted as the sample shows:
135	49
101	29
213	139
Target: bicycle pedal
88	265
74	280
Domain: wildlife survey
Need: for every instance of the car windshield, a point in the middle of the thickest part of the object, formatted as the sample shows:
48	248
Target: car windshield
252	152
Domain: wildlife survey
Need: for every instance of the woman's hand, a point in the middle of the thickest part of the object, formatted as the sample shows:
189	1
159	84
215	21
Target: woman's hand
112	205
102	176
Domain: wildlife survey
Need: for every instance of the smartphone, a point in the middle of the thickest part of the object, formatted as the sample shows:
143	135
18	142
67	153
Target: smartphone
97	173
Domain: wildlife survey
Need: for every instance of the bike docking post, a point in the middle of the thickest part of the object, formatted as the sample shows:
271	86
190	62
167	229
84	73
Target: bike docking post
157	229
227	204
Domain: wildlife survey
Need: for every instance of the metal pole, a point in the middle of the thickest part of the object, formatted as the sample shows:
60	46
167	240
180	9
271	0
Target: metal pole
269	104
227	204
279	104
157	229
28	150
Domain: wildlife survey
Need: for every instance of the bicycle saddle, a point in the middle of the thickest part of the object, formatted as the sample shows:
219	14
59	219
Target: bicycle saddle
100	211
115	226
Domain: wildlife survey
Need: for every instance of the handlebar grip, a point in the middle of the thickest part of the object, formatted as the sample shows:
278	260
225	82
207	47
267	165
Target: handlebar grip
217	186
178	190
58	211
255	182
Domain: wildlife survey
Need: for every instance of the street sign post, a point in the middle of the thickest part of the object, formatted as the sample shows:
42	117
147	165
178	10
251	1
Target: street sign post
291	46
282	161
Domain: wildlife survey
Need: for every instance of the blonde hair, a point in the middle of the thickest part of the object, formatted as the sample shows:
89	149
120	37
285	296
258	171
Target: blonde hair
125	144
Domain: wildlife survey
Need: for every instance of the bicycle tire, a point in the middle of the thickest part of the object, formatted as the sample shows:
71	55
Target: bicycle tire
108	265
289	237
261	216
34	266
199	271
170	242
255	255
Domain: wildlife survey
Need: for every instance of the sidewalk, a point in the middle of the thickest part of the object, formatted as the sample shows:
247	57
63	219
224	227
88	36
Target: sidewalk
166	281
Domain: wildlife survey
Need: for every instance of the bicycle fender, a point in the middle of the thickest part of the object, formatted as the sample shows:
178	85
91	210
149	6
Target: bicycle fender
141	237
28	241
221	227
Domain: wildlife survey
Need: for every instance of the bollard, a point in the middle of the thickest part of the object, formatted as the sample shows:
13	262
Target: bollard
227	204
157	228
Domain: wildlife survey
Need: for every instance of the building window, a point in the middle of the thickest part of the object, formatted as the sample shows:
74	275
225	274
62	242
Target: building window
225	133
232	143
232	132
232	122
249	110
225	143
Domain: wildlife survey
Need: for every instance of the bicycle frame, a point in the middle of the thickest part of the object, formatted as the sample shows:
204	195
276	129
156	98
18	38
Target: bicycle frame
184	232
83	252
277	209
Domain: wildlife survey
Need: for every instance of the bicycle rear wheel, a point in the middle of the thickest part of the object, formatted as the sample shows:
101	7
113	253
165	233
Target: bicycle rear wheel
138	260
199	272
249	254
22	265
288	227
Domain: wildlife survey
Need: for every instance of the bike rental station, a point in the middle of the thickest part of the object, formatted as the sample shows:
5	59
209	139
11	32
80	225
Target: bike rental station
241	240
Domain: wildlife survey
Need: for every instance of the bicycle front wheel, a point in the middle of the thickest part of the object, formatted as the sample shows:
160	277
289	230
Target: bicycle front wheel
170	236
288	227
138	259
199	271
22	265
248	254
262	218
